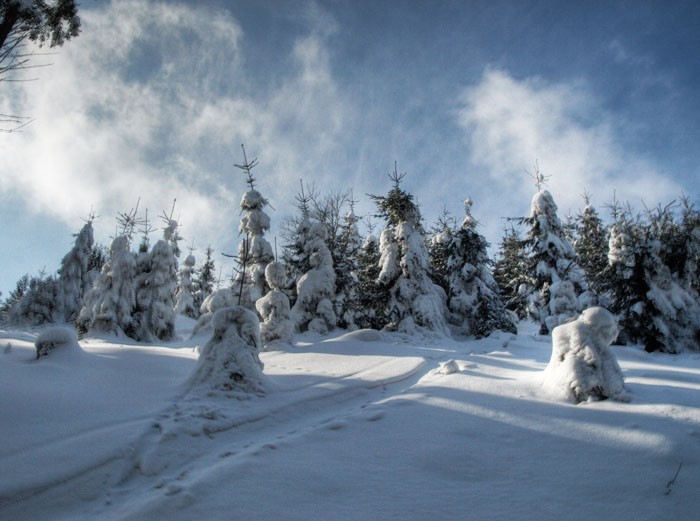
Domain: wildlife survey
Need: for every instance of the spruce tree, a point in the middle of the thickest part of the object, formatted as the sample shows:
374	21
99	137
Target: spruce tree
473	295
510	271
74	273
556	279
373	300
254	251
414	300
185	293
653	307
591	246
346	264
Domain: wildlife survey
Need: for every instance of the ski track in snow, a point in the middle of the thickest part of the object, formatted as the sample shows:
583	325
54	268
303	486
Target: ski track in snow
174	449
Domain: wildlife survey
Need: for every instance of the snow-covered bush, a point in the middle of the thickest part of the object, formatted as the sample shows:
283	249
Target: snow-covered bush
54	337
582	366
274	307
230	360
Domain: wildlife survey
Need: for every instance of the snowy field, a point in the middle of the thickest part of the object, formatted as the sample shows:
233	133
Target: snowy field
362	426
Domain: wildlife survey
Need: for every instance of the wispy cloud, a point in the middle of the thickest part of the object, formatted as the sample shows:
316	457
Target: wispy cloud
511	123
155	107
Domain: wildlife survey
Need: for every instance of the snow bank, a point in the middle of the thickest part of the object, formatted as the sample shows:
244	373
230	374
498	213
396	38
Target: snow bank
582	366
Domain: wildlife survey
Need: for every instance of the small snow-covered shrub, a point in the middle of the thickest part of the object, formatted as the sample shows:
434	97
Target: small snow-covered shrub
582	366
230	359
54	337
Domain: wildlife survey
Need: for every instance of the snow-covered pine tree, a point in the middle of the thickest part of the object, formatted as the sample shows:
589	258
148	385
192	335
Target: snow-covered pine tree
185	293
473	295
295	232
653	307
45	299
254	251
346	264
74	279
14	297
414	300
274	308
230	361
109	304
690	222
591	246
40	302
510	271
373	299
154	315
313	309
557	280
441	240
205	277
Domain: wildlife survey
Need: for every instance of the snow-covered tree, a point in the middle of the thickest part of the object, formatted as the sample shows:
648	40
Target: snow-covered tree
230	360
185	293
373	299
582	366
205	278
313	309
274	308
154	314
74	274
441	240
591	246
110	302
653	306
690	222
414	300
254	251
510	272
556	279
57	299
40	302
473	295
346	265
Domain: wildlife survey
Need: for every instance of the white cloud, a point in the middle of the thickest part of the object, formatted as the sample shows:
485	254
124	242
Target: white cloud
152	101
510	124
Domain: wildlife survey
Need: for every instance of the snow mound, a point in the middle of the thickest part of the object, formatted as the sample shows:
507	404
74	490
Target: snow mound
582	366
55	337
230	360
361	335
449	367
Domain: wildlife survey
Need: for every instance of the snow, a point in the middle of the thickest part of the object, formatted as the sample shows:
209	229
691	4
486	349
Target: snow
358	425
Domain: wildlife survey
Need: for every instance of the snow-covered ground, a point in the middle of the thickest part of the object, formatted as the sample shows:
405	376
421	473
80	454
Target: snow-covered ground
363	425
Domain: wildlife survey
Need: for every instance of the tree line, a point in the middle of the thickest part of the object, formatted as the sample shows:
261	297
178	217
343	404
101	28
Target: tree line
643	267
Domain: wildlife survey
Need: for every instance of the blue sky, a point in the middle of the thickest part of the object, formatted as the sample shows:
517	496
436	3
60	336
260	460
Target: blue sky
154	99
